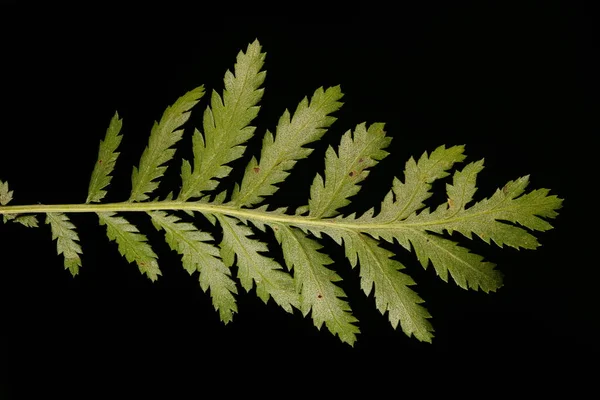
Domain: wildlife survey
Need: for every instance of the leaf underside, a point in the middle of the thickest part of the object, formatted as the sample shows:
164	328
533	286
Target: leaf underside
308	282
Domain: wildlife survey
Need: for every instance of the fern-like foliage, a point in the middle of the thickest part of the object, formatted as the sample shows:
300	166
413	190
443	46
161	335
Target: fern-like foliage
304	279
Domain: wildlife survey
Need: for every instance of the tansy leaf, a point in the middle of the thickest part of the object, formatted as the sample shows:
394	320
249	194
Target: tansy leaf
245	215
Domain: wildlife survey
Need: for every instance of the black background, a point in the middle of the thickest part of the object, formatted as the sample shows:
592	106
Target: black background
511	82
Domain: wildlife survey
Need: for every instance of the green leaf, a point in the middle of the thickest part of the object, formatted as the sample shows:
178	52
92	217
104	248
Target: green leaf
132	244
199	255
510	216
491	219
406	198
345	171
467	269
315	283
254	267
392	291
164	135
5	195
107	158
226	125
63	231
280	154
30	221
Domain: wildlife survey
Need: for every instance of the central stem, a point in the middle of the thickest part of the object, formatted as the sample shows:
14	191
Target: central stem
265	217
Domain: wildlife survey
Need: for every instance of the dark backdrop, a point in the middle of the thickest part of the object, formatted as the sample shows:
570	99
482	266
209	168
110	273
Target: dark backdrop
512	83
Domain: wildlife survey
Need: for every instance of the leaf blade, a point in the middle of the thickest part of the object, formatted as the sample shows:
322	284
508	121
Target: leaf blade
280	153
226	125
107	158
63	231
315	282
407	198
343	172
159	151
254	267
199	255
131	244
392	290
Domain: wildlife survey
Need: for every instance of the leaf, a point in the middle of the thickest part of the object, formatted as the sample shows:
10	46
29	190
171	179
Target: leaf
254	267
132	244
468	270
199	255
226	125
406	198
490	218
510	216
279	154
30	221
63	231
392	291
5	195
163	136
107	158
315	283
343	173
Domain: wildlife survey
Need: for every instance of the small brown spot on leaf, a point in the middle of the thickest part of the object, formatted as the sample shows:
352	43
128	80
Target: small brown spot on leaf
352	173
361	159
100	162
256	169
319	296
